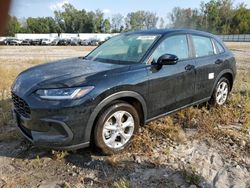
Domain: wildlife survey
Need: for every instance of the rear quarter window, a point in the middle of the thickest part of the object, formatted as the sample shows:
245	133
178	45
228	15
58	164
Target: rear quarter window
203	46
219	48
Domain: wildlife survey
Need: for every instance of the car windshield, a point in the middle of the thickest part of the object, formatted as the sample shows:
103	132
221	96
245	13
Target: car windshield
123	49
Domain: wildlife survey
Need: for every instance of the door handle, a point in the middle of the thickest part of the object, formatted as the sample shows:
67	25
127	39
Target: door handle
219	61
189	67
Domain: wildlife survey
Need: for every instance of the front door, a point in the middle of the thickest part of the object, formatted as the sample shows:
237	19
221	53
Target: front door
171	86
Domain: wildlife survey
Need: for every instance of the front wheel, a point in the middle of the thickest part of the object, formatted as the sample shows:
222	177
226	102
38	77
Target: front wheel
116	127
221	92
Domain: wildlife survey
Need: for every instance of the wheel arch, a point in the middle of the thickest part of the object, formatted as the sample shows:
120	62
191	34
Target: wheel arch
228	73
230	78
130	97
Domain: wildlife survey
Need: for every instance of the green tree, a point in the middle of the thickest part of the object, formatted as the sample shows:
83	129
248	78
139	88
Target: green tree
66	19
40	25
13	26
106	26
135	20
141	20
151	20
98	20
72	20
188	18
217	16
241	21
117	23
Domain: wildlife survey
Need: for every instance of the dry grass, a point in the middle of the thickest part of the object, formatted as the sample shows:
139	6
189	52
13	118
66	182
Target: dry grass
208	122
59	155
231	121
238	45
6	78
14	60
122	183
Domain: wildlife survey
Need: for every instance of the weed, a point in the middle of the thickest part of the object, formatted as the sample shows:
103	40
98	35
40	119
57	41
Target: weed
59	155
122	183
142	143
5	112
65	185
114	160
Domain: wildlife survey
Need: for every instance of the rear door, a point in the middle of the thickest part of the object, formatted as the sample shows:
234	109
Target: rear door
206	65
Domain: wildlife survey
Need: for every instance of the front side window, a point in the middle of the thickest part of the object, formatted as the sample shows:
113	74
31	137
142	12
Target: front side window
123	49
202	46
175	45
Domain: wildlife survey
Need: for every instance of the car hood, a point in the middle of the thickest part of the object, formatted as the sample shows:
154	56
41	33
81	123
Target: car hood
64	73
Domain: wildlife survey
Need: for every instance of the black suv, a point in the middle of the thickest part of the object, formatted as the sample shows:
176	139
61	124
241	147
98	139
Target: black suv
126	82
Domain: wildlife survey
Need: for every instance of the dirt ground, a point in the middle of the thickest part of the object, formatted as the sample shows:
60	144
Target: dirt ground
183	150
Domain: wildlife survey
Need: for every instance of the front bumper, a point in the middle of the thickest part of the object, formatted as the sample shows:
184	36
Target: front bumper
56	131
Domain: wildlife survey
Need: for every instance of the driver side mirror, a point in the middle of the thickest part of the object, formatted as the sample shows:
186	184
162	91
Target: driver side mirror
167	59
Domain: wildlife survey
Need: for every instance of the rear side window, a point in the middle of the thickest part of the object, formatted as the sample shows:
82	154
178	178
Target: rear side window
220	49
203	46
176	45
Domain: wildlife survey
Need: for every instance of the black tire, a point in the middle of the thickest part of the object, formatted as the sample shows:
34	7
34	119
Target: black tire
213	101
105	116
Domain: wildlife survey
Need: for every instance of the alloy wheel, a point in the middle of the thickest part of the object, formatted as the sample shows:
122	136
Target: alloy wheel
118	129
222	93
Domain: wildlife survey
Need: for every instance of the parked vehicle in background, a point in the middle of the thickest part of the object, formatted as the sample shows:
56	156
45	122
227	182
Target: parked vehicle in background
36	42
14	42
75	41
55	42
7	41
2	41
26	42
94	42
63	42
85	42
46	42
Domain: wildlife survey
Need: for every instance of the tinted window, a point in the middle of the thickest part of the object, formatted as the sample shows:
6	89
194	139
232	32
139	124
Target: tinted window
203	46
176	45
220	49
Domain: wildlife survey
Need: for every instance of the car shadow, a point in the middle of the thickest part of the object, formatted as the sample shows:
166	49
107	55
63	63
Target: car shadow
103	170
95	169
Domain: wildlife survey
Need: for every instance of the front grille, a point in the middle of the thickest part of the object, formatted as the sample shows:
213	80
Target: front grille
21	106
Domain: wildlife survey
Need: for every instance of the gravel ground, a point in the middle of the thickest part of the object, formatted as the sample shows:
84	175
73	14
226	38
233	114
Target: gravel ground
196	162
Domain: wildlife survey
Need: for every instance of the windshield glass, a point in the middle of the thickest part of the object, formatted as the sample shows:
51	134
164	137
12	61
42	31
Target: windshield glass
123	49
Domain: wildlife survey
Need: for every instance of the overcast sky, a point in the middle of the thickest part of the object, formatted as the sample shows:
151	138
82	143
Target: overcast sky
36	8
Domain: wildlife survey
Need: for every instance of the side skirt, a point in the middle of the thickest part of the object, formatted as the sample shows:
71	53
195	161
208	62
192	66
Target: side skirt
170	112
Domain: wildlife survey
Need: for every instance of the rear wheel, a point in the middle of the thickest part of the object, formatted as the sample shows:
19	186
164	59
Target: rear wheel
221	92
116	127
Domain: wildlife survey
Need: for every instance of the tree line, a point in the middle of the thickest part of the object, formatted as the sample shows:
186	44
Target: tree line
216	16
72	20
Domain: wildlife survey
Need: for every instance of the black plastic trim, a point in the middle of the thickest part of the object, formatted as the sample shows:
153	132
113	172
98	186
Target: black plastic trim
170	112
106	101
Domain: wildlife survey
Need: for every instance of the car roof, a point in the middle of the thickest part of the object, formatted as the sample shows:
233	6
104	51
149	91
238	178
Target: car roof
170	31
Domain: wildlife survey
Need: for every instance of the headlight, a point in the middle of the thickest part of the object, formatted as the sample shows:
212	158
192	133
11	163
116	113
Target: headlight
63	93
